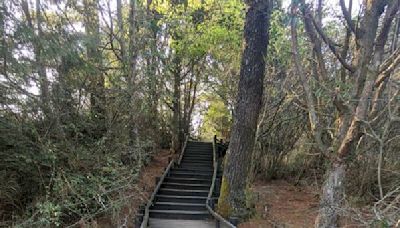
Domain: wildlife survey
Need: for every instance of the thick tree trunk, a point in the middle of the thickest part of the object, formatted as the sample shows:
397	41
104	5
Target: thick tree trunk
233	191
332	196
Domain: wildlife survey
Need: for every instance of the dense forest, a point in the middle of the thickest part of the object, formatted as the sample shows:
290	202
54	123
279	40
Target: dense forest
305	91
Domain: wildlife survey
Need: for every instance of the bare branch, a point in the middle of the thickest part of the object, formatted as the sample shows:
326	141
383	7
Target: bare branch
390	14
388	67
347	16
330	44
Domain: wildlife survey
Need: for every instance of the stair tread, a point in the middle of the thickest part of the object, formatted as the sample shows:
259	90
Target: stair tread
185	184
189	178
185	197
186	172
180	212
196	161
183	190
209	172
180	204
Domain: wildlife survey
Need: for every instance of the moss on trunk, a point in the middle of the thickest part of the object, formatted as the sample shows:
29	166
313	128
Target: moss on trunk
224	207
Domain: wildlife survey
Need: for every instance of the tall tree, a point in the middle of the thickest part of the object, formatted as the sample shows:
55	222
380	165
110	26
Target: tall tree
96	77
365	70
38	52
3	50
248	105
176	104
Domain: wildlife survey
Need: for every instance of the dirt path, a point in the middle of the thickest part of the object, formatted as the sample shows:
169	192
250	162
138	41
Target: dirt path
280	204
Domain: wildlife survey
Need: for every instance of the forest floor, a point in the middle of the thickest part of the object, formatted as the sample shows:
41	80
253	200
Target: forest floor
138	195
280	204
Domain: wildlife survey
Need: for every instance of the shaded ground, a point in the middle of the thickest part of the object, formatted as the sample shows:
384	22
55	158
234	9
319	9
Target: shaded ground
280	204
136	196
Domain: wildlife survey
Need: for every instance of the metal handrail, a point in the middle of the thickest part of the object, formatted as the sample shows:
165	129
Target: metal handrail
183	149
158	186
210	193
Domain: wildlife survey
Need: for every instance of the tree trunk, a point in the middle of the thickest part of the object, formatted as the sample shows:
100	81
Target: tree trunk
132	44
367	64
121	32
97	90
176	106
3	39
233	190
153	77
346	46
131	76
332	196
41	69
298	69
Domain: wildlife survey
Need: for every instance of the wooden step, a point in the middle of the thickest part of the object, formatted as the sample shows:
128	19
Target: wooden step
194	155
202	158
181	199
204	151
189	174
180	214
206	162
182	192
188	180
179	206
199	148
186	186
195	163
194	169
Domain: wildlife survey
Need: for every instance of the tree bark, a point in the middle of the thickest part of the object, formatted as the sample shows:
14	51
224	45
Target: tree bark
346	45
333	195
3	39
315	41
233	190
176	105
132	44
121	32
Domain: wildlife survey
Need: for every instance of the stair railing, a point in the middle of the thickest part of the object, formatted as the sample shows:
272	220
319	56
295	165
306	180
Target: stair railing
218	217
158	186
183	149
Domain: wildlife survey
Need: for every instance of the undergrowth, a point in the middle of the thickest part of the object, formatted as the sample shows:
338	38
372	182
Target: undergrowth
50	180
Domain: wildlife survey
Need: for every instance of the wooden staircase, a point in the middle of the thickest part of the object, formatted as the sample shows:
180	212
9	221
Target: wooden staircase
187	192
183	193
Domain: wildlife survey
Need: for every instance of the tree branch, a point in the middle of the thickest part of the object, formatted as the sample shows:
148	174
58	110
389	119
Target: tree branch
388	67
386	24
330	44
347	17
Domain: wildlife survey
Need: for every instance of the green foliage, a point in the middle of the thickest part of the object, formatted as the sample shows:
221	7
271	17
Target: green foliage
217	119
